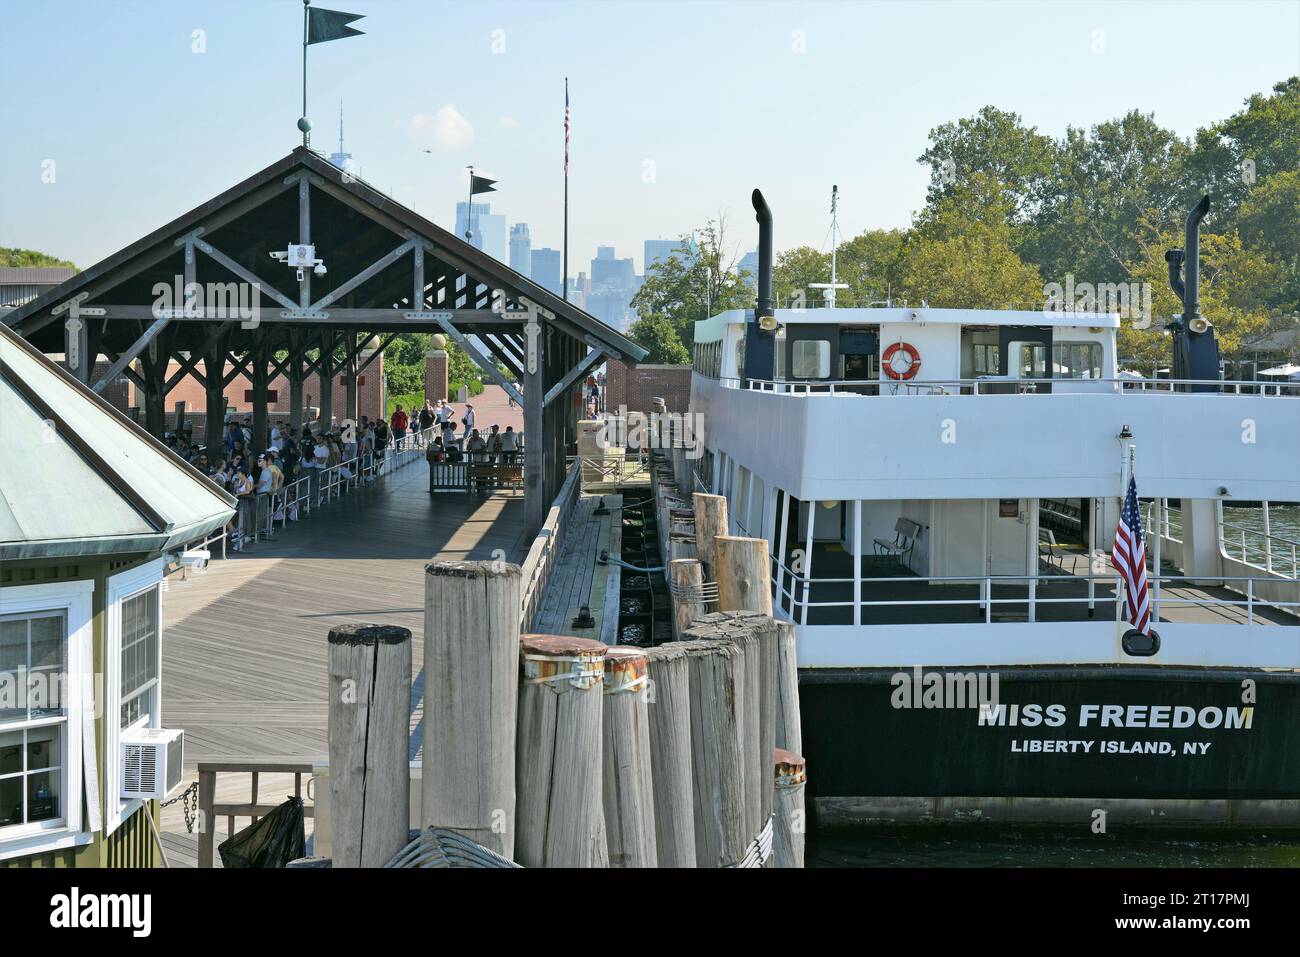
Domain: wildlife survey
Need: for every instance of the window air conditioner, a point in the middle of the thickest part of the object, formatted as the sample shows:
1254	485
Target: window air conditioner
151	763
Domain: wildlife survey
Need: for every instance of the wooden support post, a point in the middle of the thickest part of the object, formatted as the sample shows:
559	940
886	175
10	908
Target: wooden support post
214	396
789	825
261	420
295	395
627	788
754	636
717	771
535	442
688	597
559	817
471	686
350	408
744	574
789	728
326	372
670	753
681	548
369	722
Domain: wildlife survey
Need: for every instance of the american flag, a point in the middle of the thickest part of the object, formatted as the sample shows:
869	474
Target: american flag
566	126
1130	559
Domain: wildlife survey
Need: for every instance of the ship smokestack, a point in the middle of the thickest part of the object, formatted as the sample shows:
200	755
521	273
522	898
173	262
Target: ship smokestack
1196	351
760	330
764	217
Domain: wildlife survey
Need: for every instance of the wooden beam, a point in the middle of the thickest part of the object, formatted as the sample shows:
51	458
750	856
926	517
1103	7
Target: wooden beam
506	360
245	274
125	358
379	265
480	360
574	374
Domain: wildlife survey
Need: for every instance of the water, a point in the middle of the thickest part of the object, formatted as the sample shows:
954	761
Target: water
960	847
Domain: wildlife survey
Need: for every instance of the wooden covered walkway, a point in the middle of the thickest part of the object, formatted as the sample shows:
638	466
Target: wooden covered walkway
244	643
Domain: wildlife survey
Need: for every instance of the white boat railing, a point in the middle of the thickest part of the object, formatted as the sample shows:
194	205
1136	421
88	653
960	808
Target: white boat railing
1251	546
793	593
1003	385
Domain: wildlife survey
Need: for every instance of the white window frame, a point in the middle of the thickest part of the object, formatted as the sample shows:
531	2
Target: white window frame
126	585
74	600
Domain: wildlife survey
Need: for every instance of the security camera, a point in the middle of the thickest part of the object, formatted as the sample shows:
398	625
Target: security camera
320	268
279	254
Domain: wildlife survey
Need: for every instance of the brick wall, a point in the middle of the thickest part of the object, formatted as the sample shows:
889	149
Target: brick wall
637	387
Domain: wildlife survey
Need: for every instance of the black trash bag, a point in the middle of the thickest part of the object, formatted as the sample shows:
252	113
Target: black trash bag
273	841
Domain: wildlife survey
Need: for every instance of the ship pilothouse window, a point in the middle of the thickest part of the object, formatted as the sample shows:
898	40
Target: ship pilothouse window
810	359
1031	359
986	360
1077	360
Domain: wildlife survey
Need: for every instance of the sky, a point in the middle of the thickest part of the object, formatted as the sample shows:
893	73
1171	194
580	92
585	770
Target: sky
120	116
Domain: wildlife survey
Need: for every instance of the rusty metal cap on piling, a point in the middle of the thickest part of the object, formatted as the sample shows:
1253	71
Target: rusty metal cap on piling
625	670
369	634
562	662
791	768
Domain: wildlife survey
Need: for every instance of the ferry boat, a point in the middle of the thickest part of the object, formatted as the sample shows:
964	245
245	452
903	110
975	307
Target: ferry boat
941	489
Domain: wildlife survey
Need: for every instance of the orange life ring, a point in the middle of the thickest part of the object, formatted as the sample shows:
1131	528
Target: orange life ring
913	360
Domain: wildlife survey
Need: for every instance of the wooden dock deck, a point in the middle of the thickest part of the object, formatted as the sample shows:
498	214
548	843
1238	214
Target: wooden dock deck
578	580
244	643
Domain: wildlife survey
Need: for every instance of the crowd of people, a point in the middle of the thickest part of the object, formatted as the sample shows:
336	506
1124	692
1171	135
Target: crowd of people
254	471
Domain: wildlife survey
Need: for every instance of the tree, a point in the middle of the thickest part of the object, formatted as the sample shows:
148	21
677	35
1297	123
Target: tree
872	265
12	256
697	282
794	270
1234	286
659	336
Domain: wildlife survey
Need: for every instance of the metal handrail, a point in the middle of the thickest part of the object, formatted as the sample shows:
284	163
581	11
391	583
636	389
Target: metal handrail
986	600
989	385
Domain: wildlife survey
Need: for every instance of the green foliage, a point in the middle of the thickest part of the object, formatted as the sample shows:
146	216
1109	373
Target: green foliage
658	334
698	282
11	256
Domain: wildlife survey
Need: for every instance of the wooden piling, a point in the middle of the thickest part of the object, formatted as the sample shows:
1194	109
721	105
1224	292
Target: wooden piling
789	729
369	722
669	707
717	771
744	574
755	638
471	658
688	600
710	522
789	828
559	816
626	774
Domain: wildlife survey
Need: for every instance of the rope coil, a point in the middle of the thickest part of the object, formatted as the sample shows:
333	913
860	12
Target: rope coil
589	670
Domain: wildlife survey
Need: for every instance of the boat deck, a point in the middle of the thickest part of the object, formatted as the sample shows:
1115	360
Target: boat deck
1064	597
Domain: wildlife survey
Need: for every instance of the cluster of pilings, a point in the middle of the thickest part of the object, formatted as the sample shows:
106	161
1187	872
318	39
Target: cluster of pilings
557	751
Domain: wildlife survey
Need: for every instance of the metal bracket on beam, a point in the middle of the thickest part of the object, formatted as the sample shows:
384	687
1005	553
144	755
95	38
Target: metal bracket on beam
76	300
189	238
303	314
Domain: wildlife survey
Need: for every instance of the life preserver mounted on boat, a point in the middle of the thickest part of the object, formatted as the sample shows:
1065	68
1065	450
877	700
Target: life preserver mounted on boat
913	360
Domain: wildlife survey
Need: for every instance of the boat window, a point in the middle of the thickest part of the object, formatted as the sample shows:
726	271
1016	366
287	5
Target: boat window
810	359
740	357
1031	359
1077	360
986	358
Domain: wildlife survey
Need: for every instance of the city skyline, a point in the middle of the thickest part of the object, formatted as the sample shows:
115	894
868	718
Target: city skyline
787	103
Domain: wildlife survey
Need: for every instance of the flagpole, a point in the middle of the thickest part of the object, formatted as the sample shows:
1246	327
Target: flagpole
564	279
304	124
469	208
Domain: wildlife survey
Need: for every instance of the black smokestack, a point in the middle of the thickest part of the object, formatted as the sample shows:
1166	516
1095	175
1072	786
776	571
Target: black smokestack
1192	264
760	343
1196	350
764	217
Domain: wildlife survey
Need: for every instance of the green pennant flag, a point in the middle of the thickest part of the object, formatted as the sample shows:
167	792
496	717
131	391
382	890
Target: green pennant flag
326	25
481	184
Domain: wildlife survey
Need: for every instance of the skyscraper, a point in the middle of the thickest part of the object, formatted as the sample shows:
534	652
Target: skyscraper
341	159
613	284
657	250
546	270
521	250
749	264
487	231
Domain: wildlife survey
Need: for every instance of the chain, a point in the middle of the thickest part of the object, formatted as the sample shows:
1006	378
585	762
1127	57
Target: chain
191	798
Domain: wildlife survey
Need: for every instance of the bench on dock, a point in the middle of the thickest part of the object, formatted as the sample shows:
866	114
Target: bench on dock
482	476
448	477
